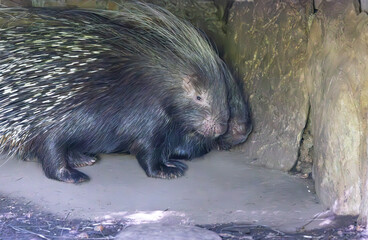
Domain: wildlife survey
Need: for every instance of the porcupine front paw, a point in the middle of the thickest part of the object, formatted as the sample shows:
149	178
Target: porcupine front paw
169	170
223	146
70	175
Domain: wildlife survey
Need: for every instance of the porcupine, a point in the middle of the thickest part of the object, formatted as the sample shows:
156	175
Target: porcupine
76	83
240	126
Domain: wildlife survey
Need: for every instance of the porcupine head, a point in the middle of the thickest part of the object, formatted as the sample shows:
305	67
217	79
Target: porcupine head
192	76
201	105
196	95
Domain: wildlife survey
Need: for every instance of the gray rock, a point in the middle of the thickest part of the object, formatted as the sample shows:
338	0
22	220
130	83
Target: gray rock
266	45
336	76
364	5
168	232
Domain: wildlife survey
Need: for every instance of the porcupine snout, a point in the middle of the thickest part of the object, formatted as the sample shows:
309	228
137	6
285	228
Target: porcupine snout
214	128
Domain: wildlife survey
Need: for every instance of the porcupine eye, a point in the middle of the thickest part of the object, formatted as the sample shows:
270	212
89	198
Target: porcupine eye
199	98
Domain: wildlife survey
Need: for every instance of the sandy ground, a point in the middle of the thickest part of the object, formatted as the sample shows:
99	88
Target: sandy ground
218	188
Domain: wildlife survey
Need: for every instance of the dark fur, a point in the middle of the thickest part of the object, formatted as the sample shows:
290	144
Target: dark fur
240	122
83	84
240	126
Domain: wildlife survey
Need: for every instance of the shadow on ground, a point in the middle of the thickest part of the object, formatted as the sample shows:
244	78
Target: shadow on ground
21	220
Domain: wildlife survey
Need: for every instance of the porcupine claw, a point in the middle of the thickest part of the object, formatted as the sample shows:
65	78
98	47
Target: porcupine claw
81	160
70	175
172	169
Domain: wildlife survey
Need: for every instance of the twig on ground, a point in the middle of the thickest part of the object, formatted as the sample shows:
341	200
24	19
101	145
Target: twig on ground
62	229
302	228
27	231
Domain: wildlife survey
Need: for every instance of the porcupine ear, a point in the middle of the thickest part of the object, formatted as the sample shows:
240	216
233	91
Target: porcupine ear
188	85
194	92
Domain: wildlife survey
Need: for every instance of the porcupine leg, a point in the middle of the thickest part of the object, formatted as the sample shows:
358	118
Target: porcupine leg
190	146
76	159
152	163
180	153
183	153
55	165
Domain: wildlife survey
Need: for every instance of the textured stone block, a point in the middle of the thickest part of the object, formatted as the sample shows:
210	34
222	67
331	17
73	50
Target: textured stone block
337	84
266	45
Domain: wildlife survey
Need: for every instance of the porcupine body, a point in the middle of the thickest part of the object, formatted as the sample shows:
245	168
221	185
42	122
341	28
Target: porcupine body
76	83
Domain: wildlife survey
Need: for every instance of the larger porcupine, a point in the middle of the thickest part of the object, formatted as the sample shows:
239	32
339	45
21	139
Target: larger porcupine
75	83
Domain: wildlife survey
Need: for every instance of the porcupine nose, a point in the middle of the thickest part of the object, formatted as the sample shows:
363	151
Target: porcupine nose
220	129
212	128
240	132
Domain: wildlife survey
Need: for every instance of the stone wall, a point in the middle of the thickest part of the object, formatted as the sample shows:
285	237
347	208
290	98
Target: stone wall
266	45
336	76
291	60
15	3
201	13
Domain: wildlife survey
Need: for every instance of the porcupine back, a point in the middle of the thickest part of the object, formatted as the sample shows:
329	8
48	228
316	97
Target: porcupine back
56	65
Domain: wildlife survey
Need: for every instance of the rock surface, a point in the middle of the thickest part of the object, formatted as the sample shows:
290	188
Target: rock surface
218	188
202	14
15	3
172	232
266	45
336	75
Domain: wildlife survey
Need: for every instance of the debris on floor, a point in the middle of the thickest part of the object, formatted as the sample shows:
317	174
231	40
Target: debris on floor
21	220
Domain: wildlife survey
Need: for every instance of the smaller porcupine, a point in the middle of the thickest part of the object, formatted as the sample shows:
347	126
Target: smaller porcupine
240	122
76	83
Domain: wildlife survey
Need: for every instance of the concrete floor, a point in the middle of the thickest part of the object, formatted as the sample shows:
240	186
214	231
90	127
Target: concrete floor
218	188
